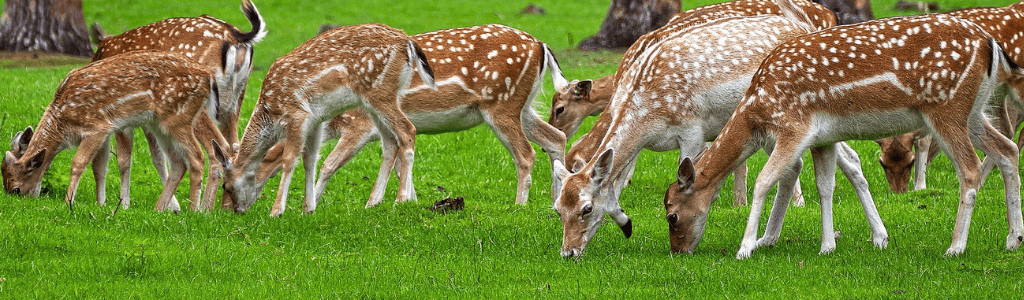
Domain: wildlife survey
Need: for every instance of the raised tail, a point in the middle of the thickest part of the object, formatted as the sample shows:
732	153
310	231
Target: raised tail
794	13
1003	66
259	27
419	60
550	62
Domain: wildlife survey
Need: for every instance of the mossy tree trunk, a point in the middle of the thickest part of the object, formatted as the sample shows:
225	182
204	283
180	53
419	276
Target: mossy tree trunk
627	20
44	25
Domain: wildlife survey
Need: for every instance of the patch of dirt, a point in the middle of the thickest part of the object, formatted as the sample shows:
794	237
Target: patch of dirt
11	60
448	204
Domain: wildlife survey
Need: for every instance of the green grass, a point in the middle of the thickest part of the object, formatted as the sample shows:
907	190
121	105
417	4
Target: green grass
493	247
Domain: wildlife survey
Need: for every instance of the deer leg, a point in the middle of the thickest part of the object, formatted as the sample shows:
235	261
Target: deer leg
388	158
779	163
739	185
158	156
391	122
99	172
310	157
1002	151
125	144
175	172
849	163
352	141
773	228
209	134
798	193
922	146
510	131
550	139
293	143
957	146
825	177
86	152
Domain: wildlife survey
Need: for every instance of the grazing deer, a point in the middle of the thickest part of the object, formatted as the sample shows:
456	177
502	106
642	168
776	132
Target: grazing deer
862	81
1004	24
585	148
163	92
484	74
361	65
677	95
221	48
580	99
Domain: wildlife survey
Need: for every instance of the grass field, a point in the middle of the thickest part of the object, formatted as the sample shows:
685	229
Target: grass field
493	247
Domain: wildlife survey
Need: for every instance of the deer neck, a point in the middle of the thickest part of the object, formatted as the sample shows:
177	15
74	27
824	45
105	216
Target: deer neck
734	145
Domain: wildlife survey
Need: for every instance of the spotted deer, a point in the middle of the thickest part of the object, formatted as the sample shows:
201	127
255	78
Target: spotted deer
863	81
367	66
578	100
677	95
163	92
484	74
221	48
1005	25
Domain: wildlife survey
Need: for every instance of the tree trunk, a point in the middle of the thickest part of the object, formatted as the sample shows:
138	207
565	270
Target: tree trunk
627	20
44	25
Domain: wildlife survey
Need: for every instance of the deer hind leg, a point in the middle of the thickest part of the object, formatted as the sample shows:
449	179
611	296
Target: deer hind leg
187	154
310	157
352	140
1002	152
158	156
849	163
398	138
798	193
510	132
87	150
208	134
125	140
957	146
549	138
99	172
739	185
780	165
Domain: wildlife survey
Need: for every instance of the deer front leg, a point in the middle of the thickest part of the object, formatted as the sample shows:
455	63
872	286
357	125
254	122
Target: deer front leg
550	139
175	172
99	172
293	143
849	164
352	140
125	144
773	229
825	177
922	146
158	156
208	134
86	152
1002	152
310	157
780	162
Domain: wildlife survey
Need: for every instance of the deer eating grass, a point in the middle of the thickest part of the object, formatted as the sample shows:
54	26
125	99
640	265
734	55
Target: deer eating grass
484	74
367	66
678	95
863	81
224	50
163	92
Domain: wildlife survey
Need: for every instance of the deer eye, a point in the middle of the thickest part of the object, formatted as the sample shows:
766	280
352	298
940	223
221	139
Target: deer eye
672	219
559	110
586	210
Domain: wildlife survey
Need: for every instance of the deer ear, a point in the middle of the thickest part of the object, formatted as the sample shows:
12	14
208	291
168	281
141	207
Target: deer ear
27	137
685	174
603	167
15	143
224	159
37	161
9	158
560	170
583	87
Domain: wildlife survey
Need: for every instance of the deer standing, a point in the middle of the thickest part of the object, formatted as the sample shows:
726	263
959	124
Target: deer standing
484	74
224	50
366	66
1005	25
164	92
678	95
863	81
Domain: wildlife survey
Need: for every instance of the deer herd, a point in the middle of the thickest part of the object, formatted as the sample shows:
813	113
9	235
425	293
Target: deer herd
718	83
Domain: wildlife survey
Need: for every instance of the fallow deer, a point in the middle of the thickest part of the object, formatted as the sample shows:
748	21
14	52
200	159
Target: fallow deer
580	99
677	95
366	66
484	74
164	92
862	81
221	48
1005	25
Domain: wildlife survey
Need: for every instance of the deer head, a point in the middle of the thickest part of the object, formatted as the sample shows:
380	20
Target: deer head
22	173
579	213
897	160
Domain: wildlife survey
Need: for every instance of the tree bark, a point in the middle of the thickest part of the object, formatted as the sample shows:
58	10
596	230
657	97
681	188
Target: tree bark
44	25
627	20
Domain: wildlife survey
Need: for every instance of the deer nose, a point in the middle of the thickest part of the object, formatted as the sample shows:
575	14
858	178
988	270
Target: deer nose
672	219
